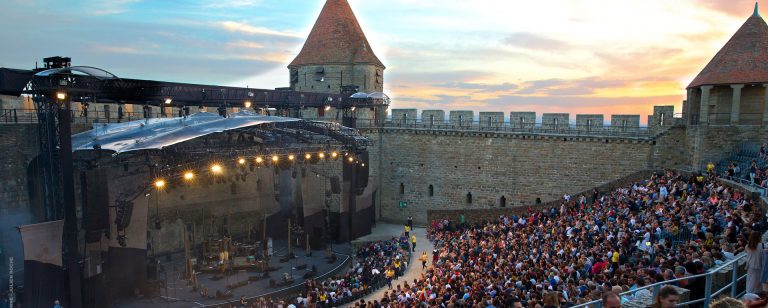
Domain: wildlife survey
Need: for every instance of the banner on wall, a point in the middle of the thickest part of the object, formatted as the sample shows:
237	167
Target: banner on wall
42	242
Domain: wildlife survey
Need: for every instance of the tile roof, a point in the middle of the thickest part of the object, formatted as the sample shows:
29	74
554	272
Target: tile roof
744	59
336	37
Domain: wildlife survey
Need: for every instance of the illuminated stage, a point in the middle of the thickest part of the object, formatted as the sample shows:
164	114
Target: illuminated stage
181	294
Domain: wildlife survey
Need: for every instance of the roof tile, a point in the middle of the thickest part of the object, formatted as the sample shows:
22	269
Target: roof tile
336	38
744	59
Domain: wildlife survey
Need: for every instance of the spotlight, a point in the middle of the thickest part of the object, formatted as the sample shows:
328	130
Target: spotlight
160	183
334	155
321	155
351	159
247	104
307	156
275	158
168	101
241	161
291	157
189	175
216	168
259	159
362	165
327	108
353	108
61	95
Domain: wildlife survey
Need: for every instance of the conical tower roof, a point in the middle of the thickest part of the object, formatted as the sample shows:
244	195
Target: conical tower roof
744	59
336	38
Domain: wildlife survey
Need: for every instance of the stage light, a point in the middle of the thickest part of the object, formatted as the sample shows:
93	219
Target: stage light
160	183
307	156
247	104
362	165
327	108
321	155
351	159
275	158
334	155
259	159
168	101
61	95
291	157
241	161
216	168
353	108
189	175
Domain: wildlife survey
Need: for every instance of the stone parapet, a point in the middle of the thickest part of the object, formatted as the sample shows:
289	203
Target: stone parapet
589	121
461	117
625	122
525	119
433	117
491	119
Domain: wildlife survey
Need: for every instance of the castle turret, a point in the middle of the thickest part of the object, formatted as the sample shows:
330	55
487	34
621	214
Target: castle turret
336	55
731	90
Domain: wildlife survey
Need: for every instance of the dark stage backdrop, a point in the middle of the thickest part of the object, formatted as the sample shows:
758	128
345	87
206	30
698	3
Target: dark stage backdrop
44	279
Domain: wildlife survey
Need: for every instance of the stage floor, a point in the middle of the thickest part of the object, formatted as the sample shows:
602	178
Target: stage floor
180	295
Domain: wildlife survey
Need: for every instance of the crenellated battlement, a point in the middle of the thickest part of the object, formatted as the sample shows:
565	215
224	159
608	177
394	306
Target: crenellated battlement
663	116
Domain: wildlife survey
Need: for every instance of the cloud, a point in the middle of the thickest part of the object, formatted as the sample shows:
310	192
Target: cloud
406	77
477	86
117	49
244	27
742	8
232	4
563	87
110	7
533	41
245	44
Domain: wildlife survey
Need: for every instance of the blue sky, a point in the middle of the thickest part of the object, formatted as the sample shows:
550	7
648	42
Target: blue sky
577	56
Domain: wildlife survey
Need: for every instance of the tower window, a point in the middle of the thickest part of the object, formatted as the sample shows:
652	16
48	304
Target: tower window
431	190
402	188
503	201
469	198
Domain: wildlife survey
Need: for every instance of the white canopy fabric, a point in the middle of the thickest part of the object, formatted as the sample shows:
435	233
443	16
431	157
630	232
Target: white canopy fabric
154	134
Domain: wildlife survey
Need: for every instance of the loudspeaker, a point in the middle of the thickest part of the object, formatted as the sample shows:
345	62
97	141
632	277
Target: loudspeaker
335	185
95	200
362	172
123	214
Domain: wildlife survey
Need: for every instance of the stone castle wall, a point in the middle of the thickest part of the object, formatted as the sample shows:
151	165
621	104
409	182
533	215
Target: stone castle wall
489	166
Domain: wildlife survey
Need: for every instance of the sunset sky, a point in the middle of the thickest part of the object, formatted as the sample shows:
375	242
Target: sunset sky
577	56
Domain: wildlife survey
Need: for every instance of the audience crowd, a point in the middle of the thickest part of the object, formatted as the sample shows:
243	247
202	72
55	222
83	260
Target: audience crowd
666	227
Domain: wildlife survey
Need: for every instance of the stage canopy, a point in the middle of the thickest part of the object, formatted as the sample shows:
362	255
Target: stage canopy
159	133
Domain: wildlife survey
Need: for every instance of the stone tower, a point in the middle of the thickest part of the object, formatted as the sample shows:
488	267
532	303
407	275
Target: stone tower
336	54
731	89
727	102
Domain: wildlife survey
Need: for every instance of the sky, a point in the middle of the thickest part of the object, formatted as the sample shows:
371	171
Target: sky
575	56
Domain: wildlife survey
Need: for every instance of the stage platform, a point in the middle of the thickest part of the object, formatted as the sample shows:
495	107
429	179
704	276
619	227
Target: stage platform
180	294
